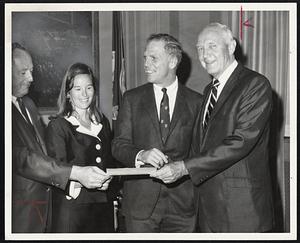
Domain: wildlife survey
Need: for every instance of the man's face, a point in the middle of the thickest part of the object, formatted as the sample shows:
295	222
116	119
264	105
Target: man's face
157	64
213	52
21	72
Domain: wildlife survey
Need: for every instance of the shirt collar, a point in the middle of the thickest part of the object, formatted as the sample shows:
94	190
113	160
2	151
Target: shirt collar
95	128
228	71
173	86
14	99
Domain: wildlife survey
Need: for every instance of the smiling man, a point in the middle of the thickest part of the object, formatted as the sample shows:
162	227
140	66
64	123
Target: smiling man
155	127
230	170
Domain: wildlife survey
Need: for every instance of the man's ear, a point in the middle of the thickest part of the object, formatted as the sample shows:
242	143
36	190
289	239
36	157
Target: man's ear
173	62
231	47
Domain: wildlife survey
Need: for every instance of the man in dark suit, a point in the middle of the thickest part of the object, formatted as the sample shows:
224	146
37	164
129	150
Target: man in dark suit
154	127
33	171
230	170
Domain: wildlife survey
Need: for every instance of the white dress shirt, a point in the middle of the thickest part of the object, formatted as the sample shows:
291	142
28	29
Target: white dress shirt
223	80
172	93
15	102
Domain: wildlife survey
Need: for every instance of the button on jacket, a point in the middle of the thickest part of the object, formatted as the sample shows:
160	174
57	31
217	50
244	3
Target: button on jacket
70	142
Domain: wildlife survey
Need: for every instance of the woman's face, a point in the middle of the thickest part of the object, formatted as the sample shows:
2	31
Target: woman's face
82	93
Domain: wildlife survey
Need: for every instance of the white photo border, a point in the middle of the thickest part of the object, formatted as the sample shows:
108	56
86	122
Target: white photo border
291	7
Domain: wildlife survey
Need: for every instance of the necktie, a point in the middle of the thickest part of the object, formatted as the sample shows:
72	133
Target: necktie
24	112
164	115
211	102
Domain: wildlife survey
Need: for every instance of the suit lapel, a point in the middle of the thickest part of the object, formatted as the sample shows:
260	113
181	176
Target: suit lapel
206	96
36	125
225	94
229	86
149	105
179	109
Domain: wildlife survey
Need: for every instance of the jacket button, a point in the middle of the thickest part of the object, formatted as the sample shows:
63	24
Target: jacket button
98	160
98	146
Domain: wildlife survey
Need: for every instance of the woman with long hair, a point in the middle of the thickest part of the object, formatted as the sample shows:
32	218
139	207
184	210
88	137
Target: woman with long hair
80	135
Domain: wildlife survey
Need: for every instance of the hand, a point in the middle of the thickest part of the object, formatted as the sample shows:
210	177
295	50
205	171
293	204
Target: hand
105	184
170	172
153	157
89	176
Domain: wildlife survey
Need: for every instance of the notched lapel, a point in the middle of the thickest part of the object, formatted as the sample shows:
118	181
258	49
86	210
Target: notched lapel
36	126
148	103
229	86
179	109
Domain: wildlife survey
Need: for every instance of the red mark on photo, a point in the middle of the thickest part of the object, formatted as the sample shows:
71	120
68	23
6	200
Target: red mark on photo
244	23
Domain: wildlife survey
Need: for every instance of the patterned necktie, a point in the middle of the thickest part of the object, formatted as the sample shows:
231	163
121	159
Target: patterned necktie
24	112
211	102
164	115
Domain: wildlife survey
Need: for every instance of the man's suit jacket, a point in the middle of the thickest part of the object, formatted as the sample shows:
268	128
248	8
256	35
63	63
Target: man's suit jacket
138	129
231	168
32	172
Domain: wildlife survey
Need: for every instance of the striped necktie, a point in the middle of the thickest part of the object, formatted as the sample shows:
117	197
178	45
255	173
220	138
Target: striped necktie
211	102
164	115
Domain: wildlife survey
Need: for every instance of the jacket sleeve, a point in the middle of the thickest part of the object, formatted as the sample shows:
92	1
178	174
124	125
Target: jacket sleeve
56	141
36	166
252	115
111	163
123	148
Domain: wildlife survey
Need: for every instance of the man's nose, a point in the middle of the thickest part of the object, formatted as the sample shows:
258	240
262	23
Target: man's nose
146	63
29	77
206	52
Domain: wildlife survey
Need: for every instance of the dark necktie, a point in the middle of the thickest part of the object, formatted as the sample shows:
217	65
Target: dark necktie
211	102
23	110
164	115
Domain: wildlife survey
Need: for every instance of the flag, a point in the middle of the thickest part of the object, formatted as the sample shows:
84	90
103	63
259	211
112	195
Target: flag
118	65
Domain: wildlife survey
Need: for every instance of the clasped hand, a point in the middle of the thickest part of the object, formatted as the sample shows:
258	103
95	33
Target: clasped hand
170	172
153	157
91	177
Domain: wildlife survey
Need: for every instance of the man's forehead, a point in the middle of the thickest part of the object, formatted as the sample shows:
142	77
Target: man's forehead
212	34
22	57
19	53
155	46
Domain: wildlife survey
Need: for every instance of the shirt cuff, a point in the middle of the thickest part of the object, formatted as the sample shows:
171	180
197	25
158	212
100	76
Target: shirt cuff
73	192
184	169
138	163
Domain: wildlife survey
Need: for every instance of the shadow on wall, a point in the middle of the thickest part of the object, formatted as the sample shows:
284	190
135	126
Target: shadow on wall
276	123
184	69
239	54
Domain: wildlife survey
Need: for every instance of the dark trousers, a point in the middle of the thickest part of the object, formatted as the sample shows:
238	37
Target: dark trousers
85	218
165	218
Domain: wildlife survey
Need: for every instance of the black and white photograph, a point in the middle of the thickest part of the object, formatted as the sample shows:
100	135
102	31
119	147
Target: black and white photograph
174	119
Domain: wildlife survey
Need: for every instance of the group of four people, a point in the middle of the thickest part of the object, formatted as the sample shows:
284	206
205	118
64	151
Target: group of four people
210	151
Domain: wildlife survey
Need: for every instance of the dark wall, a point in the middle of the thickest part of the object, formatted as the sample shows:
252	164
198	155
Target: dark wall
55	41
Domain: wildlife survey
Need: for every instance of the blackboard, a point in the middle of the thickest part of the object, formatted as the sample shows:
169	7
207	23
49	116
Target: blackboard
55	40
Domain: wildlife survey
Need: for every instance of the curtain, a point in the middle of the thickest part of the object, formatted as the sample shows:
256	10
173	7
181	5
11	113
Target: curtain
118	60
265	46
